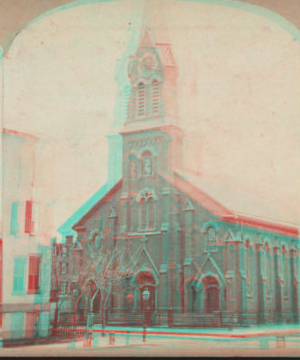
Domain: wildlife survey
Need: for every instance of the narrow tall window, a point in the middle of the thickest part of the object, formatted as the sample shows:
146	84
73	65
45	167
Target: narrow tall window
211	234
269	272
196	243
147	163
19	270
141	100
14	226
155	97
250	266
285	265
231	267
28	217
143	214
124	214
34	274
150	214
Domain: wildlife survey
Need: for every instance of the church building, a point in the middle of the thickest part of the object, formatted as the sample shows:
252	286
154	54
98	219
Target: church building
195	258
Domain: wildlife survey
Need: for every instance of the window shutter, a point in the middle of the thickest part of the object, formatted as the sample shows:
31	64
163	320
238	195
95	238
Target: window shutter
14	225
34	273
28	217
19	268
35	215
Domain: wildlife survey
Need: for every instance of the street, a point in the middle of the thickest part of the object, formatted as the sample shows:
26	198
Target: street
171	345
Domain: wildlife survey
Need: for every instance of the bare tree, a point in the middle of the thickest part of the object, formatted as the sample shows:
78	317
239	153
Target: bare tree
89	267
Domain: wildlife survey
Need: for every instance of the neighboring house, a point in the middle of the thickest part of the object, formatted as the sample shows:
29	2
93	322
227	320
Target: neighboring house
189	252
26	233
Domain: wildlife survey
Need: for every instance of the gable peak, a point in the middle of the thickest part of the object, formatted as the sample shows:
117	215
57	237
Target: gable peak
146	40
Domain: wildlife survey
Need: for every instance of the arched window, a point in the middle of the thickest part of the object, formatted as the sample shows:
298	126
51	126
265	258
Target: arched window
143	220
196	246
132	167
147	163
249	267
129	216
147	210
155	97
285	271
123	211
231	259
211	237
150	214
141	100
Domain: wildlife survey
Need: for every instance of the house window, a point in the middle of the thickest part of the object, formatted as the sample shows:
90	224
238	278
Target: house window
141	100
64	287
19	270
34	274
17	325
155	97
64	268
147	163
14	226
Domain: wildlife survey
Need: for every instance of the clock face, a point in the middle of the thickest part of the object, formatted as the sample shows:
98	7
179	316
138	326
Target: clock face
149	62
135	67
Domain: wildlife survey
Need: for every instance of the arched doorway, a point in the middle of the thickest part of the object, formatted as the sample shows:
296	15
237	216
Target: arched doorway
96	306
147	296
191	305
212	294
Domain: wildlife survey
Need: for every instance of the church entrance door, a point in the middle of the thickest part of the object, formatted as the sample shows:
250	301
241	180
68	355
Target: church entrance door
212	292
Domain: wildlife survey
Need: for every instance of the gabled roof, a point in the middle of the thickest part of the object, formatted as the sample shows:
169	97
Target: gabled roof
218	192
166	54
251	221
196	194
87	206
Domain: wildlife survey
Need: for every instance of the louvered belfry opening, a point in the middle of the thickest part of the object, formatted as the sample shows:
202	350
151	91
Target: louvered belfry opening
141	100
155	97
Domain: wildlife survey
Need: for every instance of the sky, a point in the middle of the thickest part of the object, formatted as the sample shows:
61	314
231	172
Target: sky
239	91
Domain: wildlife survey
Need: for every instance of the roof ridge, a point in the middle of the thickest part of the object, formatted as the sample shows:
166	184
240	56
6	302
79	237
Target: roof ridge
175	174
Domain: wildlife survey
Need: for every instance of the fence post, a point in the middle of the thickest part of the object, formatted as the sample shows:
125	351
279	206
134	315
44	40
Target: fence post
280	342
111	338
144	334
127	338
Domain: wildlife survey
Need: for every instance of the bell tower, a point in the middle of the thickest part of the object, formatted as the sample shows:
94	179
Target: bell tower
148	113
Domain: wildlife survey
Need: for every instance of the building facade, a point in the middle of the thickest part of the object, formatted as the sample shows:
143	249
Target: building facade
26	231
197	260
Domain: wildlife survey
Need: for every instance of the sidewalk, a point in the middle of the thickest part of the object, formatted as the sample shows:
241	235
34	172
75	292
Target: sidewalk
251	332
185	345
